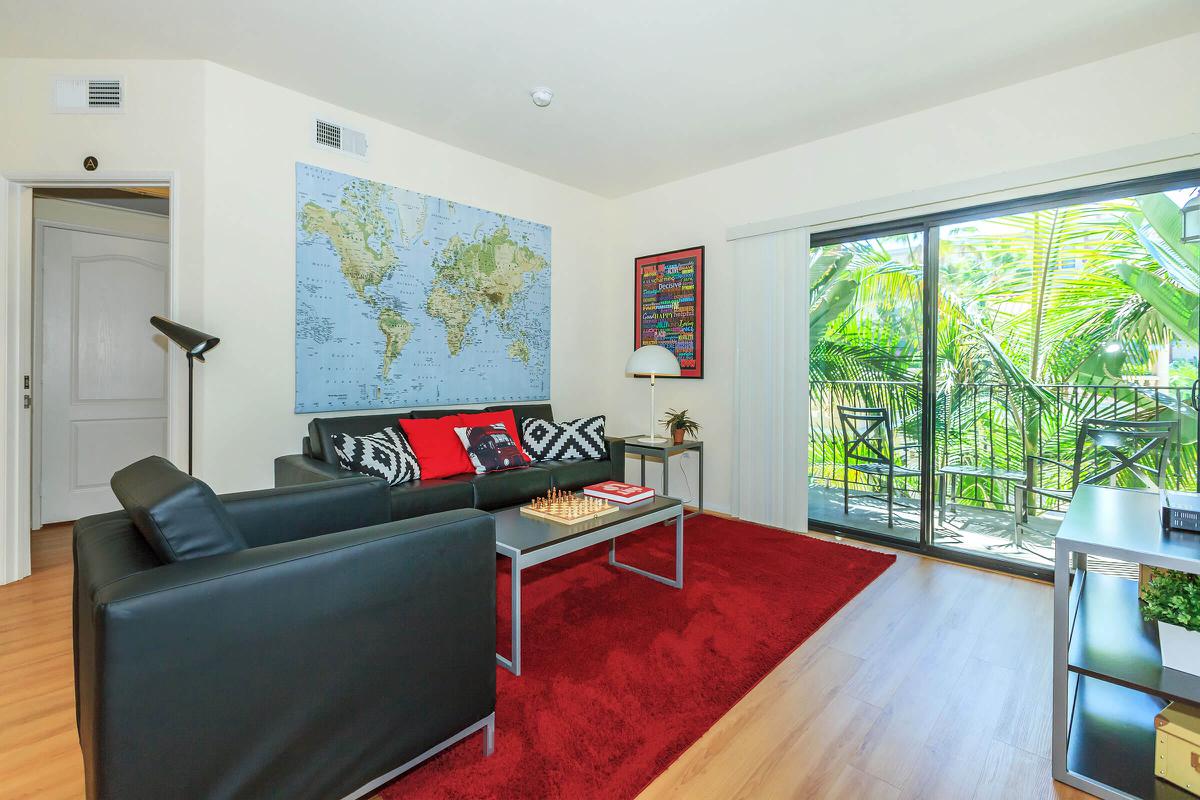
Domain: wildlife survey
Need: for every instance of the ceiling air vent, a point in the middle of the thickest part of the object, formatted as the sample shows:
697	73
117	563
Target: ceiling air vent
89	95
332	136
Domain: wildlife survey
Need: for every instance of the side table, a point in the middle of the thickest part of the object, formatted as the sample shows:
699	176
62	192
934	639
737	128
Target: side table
1109	679
664	450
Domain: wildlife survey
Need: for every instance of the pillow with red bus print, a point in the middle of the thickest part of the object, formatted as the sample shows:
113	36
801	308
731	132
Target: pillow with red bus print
491	449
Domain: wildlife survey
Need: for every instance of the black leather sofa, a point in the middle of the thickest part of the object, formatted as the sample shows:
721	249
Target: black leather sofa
488	492
322	652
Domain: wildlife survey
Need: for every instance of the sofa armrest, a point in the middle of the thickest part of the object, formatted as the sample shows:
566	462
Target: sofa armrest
270	516
616	457
297	469
232	676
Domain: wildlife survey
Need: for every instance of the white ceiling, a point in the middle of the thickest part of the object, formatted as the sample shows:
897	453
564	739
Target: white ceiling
646	91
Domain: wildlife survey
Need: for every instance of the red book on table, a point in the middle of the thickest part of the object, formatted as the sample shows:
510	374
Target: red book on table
619	492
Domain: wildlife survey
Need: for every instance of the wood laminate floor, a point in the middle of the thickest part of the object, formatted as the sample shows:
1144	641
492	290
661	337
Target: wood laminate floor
932	683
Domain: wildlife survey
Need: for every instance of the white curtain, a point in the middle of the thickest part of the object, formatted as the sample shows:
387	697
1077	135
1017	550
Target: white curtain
770	393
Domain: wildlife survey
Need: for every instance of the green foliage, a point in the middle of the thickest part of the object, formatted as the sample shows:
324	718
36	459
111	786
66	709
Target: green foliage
1043	319
680	421
1173	597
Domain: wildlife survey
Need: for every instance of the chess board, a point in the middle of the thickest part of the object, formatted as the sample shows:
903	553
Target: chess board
567	508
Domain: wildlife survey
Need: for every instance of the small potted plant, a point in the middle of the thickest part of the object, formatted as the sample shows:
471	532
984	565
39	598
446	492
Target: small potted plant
680	424
1173	600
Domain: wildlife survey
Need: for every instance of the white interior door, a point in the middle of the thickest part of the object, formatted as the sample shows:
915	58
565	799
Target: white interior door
104	369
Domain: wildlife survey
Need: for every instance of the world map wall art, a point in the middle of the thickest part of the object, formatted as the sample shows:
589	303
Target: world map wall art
669	306
405	299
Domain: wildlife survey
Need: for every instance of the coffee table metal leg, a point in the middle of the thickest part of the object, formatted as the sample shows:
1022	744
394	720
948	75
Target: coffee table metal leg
514	665
677	583
679	549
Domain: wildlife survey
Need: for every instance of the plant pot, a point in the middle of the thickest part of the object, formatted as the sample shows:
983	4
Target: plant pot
678	434
1180	647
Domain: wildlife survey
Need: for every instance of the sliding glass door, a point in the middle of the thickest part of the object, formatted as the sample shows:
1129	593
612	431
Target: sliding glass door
969	370
1062	329
866	329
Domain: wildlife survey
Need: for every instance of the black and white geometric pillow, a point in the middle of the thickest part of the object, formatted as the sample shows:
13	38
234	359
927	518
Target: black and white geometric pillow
553	441
386	455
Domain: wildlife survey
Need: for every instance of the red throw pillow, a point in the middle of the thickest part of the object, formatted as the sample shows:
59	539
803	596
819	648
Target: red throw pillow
484	418
438	449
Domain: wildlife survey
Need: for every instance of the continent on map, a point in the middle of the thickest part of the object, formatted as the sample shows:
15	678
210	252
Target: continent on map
361	236
519	350
396	333
358	232
486	274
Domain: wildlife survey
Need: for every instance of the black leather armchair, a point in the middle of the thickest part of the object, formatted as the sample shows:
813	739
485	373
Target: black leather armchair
333	651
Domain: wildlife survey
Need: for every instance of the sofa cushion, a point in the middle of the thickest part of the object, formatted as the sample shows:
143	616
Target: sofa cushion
437	446
434	413
574	474
422	497
550	441
509	488
386	455
526	411
321	429
178	515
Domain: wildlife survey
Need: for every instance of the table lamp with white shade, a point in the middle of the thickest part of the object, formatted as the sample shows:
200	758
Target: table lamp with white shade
652	360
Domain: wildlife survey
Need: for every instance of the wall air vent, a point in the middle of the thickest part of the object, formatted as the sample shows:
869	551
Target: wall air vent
332	136
89	95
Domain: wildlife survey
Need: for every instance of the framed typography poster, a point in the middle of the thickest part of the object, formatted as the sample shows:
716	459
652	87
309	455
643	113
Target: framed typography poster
669	306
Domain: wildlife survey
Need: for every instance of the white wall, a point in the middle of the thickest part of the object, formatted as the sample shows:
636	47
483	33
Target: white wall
161	131
238	138
1140	97
255	133
93	215
231	142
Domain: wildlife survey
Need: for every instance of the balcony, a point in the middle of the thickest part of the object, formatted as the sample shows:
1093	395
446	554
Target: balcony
990	426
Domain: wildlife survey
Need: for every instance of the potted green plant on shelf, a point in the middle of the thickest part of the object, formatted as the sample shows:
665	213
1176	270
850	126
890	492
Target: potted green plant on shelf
680	424
1173	600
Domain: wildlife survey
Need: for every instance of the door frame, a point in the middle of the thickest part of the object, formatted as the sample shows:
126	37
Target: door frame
17	236
930	224
36	371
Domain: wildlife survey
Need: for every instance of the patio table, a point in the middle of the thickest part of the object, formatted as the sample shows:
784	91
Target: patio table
953	472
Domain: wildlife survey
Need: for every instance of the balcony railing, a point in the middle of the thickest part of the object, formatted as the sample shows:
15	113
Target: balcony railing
994	425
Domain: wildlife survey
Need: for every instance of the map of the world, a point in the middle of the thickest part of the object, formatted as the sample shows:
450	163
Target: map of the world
405	299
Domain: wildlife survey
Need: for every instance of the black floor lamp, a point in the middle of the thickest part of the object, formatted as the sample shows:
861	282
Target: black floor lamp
195	344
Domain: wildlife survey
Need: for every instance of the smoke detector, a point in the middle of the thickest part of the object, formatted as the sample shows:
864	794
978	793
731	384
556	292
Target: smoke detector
541	96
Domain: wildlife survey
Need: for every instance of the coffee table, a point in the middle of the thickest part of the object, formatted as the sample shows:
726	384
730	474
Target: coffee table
528	541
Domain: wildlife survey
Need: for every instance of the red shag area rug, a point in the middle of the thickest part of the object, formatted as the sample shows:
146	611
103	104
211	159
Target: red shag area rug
621	674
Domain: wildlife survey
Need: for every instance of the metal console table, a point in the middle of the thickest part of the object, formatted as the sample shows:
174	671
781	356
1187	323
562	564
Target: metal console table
1109	681
635	447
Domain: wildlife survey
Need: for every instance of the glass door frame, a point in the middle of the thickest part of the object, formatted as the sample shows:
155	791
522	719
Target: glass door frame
899	228
930	226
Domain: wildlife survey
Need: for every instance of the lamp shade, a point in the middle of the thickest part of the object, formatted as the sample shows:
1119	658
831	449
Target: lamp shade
652	359
194	342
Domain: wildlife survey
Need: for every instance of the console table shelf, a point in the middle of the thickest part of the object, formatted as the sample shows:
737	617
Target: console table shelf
1112	740
1109	681
1110	641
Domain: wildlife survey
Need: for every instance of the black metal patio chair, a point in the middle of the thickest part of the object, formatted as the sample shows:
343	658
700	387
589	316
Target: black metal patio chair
1109	452
869	447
